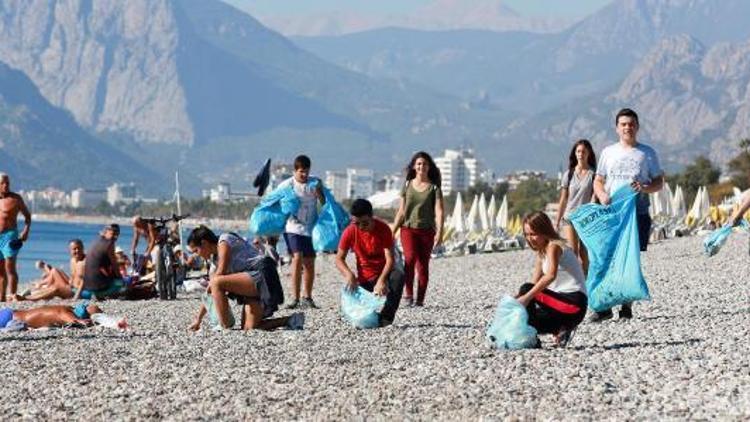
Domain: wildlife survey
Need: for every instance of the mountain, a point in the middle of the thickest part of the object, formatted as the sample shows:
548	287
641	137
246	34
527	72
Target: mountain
213	90
691	100
438	15
41	145
528	72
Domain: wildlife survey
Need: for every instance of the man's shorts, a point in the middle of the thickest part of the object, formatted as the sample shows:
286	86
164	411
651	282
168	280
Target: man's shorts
296	243
6	316
118	286
9	244
644	230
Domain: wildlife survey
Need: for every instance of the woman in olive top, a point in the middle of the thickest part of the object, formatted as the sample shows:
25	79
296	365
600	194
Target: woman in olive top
420	217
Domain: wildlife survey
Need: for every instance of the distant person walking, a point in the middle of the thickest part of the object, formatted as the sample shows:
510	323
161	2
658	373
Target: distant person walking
628	162
576	188
420	218
11	204
298	231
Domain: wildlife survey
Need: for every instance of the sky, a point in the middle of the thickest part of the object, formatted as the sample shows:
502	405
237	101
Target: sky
530	8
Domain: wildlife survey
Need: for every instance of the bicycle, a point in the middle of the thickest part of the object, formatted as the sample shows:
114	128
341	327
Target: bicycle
166	267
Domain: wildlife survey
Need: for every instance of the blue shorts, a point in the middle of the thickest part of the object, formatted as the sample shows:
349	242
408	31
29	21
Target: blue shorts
644	230
117	287
297	243
6	316
9	244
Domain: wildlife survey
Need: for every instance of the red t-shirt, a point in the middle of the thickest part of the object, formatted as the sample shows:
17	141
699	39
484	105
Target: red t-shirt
369	248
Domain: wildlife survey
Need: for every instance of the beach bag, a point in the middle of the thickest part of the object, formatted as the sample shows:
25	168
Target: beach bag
714	241
269	217
331	223
361	308
610	234
510	329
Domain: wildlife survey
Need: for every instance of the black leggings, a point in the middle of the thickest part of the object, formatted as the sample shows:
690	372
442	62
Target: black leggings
550	311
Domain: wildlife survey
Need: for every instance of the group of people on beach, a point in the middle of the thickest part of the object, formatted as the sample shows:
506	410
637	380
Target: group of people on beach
246	271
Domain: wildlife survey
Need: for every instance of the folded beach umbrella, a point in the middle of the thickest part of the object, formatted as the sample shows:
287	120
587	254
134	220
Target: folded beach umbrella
705	203
694	216
501	221
666	198
457	218
679	210
482	208
471	220
492	211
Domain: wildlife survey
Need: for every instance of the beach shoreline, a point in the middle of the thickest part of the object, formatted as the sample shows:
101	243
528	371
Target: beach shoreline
214	223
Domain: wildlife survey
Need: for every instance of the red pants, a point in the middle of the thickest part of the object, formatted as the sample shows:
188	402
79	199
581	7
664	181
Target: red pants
417	244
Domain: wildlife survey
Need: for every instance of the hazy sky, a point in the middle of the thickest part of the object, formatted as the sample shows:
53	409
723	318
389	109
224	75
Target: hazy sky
547	8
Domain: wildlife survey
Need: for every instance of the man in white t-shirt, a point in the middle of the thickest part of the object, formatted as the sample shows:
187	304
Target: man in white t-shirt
628	162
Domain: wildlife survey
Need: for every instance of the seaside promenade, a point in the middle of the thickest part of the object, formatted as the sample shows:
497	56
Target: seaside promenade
684	356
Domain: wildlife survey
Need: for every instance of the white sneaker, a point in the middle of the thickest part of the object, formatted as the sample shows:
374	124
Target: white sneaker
296	321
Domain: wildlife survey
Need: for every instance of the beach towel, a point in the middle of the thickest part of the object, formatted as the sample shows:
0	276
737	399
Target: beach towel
361	308
610	234
269	217
331	223
714	241
510	329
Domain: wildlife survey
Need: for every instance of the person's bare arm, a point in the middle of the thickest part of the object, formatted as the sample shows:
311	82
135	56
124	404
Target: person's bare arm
381	288
398	220
196	325
343	267
655	186
151	235
562	203
439	220
737	215
553	252
599	190
26	219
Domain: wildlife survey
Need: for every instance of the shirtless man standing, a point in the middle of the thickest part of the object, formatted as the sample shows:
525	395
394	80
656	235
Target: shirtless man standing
142	228
11	204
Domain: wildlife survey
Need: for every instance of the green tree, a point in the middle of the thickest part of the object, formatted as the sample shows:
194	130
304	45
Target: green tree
700	172
532	195
739	166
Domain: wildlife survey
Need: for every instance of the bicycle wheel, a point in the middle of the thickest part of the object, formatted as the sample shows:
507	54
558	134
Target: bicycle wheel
161	277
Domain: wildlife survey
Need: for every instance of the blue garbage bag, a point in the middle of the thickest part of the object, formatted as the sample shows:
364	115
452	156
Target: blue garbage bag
610	234
510	327
270	216
361	307
716	240
332	220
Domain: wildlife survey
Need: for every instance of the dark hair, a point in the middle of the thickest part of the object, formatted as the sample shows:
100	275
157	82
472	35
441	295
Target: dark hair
302	162
360	208
573	161
114	227
201	233
433	173
541	224
626	112
77	241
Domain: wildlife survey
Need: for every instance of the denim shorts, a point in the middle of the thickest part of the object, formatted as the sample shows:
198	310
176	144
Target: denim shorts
296	243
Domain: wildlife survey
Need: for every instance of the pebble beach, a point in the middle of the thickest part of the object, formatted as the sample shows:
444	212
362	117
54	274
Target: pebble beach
684	355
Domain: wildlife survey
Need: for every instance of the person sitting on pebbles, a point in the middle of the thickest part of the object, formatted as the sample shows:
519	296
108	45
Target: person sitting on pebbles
372	242
49	316
556	297
55	283
243	274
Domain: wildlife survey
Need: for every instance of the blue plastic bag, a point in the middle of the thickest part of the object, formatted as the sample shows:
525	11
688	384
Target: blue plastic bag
331	223
510	328
610	234
361	307
714	241
270	216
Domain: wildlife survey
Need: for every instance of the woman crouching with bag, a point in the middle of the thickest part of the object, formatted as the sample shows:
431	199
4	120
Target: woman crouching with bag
243	274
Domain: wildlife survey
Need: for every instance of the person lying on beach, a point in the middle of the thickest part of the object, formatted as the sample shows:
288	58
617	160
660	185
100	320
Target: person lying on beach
245	275
556	297
372	242
50	316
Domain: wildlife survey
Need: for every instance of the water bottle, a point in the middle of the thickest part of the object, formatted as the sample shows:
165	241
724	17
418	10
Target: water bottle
109	321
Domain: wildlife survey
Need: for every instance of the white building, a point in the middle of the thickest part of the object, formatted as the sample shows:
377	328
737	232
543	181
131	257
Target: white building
389	182
126	193
220	193
359	183
459	169
336	182
80	197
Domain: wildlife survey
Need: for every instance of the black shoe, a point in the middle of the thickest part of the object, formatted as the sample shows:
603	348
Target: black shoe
409	301
308	303
564	336
601	316
626	312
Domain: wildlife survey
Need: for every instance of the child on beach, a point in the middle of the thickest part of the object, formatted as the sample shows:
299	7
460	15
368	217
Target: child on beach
298	231
244	274
556	296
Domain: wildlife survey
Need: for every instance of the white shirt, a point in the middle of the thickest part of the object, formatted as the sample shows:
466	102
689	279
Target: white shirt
621	165
570	276
304	220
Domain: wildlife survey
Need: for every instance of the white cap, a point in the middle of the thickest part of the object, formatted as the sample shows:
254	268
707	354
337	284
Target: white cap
177	248
118	250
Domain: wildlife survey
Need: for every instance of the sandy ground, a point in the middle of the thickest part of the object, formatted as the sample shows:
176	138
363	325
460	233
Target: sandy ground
685	355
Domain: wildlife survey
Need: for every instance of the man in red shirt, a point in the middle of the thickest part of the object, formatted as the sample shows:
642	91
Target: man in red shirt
372	242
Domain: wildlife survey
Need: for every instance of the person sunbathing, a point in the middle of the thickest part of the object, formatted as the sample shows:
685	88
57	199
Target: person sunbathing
50	316
55	282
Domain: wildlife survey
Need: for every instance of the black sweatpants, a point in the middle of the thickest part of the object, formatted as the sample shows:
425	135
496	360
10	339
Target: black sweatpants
550	311
395	286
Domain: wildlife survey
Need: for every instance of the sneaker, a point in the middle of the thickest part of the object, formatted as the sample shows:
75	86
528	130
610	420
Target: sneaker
308	303
626	312
293	304
563	337
601	316
409	301
296	321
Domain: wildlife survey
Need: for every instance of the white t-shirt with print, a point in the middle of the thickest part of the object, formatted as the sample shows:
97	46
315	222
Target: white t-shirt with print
621	165
304	220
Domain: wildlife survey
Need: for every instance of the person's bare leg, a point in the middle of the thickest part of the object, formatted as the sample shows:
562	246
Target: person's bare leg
12	275
3	281
238	283
296	274
569	234
308	265
252	316
584	259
